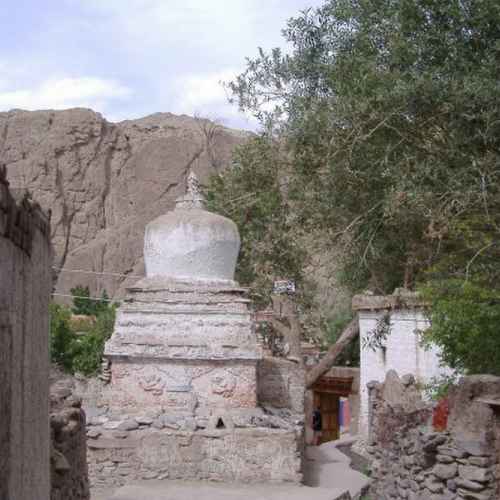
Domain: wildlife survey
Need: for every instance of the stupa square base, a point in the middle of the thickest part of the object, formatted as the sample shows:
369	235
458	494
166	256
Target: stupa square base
251	455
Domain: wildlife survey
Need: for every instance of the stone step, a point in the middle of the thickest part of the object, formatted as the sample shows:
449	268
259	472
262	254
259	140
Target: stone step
175	490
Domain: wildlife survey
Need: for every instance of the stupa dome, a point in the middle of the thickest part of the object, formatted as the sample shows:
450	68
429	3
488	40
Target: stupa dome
190	243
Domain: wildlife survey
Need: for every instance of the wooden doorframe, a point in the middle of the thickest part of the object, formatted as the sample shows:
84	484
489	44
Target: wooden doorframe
329	405
331	388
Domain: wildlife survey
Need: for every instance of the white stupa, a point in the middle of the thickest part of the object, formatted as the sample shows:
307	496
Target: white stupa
182	401
184	337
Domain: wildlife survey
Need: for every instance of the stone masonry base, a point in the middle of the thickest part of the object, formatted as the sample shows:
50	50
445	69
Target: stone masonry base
164	448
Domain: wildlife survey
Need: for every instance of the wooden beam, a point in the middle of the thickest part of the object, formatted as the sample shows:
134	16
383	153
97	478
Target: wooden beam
351	331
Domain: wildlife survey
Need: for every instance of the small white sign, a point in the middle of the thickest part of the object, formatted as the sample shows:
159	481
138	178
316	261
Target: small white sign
284	286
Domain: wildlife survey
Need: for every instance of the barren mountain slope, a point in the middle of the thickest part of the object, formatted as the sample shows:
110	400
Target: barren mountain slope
104	182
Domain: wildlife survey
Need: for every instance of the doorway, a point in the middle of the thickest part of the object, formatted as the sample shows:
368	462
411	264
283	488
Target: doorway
329	406
327	394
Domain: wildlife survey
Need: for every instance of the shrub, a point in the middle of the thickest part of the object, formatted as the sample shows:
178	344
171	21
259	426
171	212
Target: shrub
89	348
465	324
62	337
81	353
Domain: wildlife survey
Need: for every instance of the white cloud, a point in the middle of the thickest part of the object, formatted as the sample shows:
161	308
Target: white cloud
61	93
204	95
204	89
173	54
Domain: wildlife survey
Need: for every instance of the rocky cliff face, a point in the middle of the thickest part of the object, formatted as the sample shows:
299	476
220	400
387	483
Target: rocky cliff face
103	182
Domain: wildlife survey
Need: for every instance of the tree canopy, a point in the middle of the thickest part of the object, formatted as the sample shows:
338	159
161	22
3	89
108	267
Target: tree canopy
390	111
85	305
381	140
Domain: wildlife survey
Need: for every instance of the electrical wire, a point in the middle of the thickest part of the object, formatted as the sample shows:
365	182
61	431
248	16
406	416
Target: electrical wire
102	273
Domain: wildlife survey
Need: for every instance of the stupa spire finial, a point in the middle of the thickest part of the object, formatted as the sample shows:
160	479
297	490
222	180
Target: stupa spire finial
193	185
194	197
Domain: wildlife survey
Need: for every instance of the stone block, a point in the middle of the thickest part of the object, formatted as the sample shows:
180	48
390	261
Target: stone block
128	425
100	420
475	447
111	425
451	451
473	473
466	484
445	495
433	486
480	461
402	492
432	441
445	459
445	471
158	423
110	443
469	495
93	433
119	434
414	486
144	420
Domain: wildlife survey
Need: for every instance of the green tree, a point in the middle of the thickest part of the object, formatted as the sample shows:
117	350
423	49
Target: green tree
389	112
85	305
388	115
252	192
62	337
89	348
465	324
82	303
81	352
103	304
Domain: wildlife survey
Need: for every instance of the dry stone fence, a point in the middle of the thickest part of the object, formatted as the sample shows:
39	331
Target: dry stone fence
412	461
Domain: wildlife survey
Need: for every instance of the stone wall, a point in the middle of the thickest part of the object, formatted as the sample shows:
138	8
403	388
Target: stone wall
68	457
402	350
249	444
281	384
25	286
245	446
412	461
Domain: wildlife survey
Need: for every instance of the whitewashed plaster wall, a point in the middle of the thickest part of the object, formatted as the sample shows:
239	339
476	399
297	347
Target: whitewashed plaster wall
403	352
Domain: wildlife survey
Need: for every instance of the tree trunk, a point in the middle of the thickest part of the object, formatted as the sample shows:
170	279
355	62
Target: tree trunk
351	331
285	307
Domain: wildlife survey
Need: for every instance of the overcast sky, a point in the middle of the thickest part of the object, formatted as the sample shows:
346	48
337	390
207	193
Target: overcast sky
130	58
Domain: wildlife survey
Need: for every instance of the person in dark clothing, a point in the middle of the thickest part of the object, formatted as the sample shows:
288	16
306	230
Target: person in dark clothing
317	425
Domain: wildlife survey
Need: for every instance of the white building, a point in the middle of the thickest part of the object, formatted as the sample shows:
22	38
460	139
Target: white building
401	350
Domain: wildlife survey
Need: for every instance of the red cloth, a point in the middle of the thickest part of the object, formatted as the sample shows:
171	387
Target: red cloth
440	415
